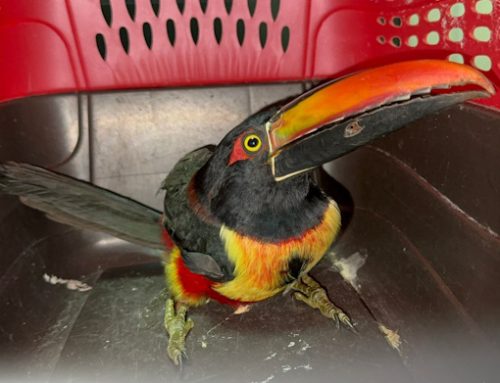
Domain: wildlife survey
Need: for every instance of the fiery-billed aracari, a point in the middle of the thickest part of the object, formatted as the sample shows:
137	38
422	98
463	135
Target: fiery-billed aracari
243	220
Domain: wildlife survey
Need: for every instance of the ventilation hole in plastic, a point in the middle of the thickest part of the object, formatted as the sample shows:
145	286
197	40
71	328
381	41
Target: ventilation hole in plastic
124	39
482	62
482	34
396	21
381	39
456	35
195	29
228	4
285	38
414	20
381	20
171	31
130	4
252	4
148	34
155	4
106	11
181	4
263	34
456	58
432	38
457	10
101	45
218	30
240	31
434	15
204	5
412	41
396	42
275	8
484	7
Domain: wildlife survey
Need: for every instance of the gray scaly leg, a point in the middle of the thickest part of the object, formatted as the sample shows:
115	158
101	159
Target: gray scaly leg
177	327
307	290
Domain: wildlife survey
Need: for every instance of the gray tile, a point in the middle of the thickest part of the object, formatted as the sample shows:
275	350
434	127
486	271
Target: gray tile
263	95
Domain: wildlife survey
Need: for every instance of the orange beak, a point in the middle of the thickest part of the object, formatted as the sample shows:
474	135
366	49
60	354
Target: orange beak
396	89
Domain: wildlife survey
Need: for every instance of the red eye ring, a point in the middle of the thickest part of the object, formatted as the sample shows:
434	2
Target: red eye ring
245	147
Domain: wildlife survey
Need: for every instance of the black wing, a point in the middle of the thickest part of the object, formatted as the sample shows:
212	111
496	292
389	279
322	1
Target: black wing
202	249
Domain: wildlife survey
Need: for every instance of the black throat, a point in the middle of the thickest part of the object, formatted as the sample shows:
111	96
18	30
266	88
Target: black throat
254	204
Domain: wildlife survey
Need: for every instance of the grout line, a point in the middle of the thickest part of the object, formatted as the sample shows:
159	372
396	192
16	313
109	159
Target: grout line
79	141
90	127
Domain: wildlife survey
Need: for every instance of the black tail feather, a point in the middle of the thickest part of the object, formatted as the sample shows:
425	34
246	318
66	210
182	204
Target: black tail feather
81	204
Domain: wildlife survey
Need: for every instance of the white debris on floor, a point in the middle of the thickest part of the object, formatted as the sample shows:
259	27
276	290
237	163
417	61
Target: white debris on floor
273	355
304	348
303	366
204	344
242	309
349	267
204	338
71	284
392	337
287	367
267	380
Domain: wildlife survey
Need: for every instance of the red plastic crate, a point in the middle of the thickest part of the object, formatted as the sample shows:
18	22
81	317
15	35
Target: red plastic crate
57	46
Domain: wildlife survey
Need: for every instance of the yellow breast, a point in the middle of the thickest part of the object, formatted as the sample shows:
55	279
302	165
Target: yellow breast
261	267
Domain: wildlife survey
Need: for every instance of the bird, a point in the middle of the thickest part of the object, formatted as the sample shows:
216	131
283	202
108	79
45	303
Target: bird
244	220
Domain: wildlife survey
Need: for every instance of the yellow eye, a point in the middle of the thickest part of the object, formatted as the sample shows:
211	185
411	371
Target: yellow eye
252	143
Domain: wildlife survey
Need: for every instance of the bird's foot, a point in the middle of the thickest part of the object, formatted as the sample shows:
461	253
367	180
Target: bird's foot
307	290
177	327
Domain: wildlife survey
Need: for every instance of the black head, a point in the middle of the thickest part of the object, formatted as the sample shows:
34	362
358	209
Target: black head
238	183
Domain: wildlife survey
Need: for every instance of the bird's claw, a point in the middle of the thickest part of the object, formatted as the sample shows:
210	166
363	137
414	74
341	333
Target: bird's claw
346	321
177	327
309	291
337	322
